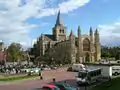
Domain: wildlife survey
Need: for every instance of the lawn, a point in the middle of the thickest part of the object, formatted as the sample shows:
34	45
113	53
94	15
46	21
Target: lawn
9	79
113	85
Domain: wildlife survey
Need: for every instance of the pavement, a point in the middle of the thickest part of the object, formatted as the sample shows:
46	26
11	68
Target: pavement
60	75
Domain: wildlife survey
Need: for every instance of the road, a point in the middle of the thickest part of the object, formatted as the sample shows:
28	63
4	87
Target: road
61	75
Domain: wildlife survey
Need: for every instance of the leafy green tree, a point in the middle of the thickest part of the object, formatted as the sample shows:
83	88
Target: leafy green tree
14	52
109	52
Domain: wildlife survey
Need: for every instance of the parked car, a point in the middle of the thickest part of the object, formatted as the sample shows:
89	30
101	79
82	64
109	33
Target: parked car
54	68
34	72
47	87
64	86
46	68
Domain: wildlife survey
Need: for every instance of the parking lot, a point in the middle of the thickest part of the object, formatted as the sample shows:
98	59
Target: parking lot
60	75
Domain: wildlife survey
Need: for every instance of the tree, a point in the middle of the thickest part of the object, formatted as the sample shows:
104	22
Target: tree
14	52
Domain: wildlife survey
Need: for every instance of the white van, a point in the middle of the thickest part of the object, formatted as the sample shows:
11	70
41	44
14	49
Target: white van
115	70
78	67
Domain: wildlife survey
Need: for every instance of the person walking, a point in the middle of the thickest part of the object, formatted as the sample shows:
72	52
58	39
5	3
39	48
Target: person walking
40	74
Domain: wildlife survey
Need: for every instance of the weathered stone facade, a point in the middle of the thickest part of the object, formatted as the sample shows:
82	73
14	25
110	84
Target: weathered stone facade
80	48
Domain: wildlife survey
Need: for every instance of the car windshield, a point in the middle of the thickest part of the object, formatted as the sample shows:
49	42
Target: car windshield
82	75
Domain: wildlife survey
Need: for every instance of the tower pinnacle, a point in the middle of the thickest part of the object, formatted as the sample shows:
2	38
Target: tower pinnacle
96	32
79	30
58	21
91	32
71	33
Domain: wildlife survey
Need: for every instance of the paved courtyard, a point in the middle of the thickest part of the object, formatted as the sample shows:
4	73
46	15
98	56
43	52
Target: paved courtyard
61	75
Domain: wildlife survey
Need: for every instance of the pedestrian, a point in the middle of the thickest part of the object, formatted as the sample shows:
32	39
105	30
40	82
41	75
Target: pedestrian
54	80
40	74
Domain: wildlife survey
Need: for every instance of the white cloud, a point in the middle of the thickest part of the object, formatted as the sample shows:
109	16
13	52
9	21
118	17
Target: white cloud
65	7
13	15
110	34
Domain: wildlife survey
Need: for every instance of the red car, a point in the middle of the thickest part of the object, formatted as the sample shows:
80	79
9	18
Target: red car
47	87
50	87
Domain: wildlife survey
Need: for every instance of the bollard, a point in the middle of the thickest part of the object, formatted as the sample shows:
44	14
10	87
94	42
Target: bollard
54	80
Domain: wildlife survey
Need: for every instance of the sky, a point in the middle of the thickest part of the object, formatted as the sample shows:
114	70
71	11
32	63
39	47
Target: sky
23	21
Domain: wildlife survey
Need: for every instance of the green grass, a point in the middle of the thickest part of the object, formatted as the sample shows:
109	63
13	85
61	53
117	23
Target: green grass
113	85
7	79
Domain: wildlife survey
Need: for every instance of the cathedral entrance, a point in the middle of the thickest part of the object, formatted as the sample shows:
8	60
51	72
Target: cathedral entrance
87	57
86	49
86	45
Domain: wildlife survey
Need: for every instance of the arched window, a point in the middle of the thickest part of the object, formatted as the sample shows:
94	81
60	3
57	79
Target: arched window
86	44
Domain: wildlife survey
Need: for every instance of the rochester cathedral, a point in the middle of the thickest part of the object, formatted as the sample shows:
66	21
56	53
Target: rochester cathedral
60	47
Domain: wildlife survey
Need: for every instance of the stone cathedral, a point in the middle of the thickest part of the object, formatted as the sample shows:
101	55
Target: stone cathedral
75	49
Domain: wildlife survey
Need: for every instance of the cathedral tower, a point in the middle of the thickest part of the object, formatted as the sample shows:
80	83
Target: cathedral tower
72	47
91	45
97	46
59	30
79	45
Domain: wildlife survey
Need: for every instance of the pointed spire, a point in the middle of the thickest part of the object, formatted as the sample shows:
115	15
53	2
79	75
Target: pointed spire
96	31
58	21
71	33
79	30
42	36
91	32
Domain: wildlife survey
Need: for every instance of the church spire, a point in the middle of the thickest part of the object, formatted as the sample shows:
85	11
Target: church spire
96	32
71	33
91	32
58	21
79	31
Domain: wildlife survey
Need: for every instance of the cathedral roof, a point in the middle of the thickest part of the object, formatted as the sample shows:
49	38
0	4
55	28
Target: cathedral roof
48	37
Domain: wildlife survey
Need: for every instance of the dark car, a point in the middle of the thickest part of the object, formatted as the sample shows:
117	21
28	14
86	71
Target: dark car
64	86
